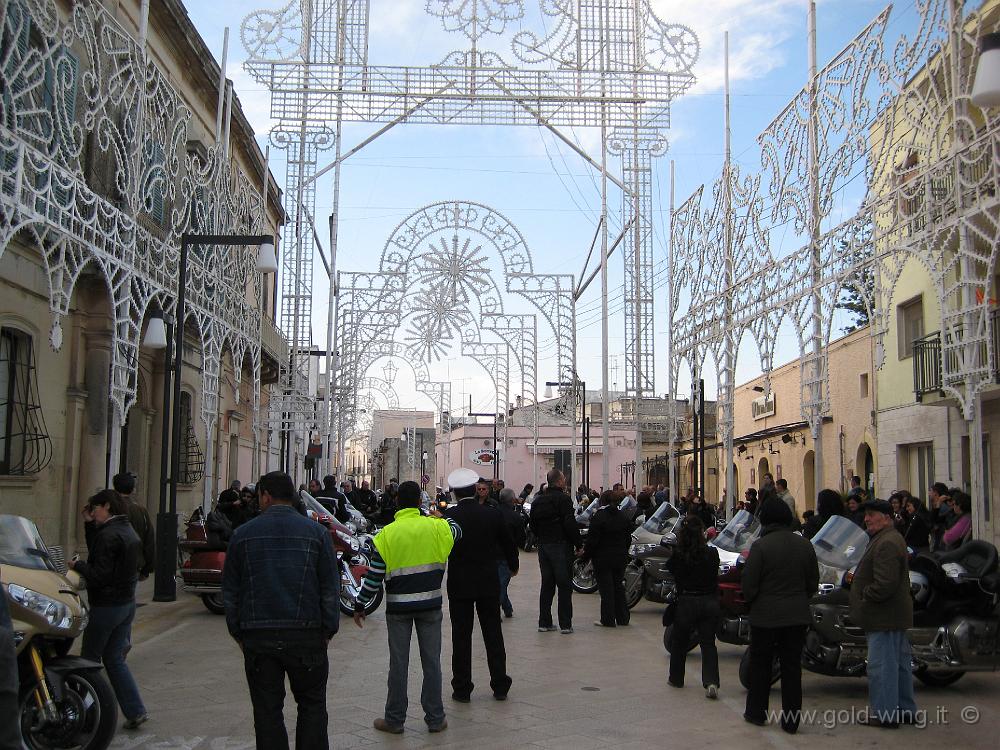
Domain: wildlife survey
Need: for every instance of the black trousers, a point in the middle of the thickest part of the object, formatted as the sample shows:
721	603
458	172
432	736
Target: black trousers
699	614
611	586
301	654
461	612
555	561
786	644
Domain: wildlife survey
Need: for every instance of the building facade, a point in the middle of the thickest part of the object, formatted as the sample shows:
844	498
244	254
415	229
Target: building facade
114	141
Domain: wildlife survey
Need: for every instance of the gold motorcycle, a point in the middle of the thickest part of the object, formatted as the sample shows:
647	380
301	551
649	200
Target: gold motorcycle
65	701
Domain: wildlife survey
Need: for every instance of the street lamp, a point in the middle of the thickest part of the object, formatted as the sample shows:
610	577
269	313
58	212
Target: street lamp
986	87
156	330
165	586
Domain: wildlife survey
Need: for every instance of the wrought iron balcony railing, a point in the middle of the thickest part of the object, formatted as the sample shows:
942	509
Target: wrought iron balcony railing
927	376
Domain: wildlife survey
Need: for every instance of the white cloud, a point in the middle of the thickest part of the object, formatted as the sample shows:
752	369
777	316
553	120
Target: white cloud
757	29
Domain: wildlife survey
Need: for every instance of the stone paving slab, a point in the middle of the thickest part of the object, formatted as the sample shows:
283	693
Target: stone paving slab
191	676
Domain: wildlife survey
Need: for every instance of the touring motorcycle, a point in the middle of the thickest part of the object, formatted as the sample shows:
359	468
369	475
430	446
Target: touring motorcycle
64	701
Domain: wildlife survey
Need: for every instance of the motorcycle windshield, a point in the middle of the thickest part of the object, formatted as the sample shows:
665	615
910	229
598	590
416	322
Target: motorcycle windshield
840	543
584	517
741	531
663	520
21	545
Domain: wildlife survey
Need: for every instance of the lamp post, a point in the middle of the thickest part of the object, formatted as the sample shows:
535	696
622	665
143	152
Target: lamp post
165	585
579	392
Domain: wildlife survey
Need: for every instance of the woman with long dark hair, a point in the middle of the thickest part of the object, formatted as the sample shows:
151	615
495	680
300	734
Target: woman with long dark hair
780	576
916	524
695	566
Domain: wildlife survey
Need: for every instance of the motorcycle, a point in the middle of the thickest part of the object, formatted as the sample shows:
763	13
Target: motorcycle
202	559
354	552
530	540
584	579
733	543
646	574
956	620
201	570
64	701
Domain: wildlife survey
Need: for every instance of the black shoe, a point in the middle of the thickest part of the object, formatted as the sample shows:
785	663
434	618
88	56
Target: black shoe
879	724
500	696
790	727
509	614
675	684
755	721
461	698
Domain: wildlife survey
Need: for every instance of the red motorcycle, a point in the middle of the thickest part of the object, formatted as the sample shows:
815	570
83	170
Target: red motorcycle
201	562
204	555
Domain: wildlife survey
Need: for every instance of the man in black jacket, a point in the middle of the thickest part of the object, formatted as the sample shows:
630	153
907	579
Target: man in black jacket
138	516
554	523
473	585
111	571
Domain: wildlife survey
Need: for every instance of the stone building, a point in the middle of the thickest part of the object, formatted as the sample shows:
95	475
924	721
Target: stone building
115	141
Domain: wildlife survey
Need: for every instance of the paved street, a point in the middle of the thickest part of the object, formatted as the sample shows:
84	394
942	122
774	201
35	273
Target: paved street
594	689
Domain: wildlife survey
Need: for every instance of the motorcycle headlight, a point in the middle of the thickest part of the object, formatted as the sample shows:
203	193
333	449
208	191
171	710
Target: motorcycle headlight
55	612
640	549
349	540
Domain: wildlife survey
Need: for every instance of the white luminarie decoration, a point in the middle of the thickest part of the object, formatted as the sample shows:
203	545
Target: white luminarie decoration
64	81
897	113
596	63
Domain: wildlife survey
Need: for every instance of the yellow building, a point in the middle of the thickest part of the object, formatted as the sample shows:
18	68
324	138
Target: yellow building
935	210
114	141
771	435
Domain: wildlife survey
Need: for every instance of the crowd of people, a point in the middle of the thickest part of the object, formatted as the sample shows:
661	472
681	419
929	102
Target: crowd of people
282	599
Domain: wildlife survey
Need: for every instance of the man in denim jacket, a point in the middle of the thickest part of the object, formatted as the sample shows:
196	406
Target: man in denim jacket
281	590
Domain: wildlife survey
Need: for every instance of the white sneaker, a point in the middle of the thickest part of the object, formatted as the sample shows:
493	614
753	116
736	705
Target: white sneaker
712	692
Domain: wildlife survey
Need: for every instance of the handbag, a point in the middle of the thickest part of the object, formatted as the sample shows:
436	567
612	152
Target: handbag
670	611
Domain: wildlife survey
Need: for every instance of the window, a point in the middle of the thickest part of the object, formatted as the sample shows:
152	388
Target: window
25	447
910	325
192	464
863	382
919	468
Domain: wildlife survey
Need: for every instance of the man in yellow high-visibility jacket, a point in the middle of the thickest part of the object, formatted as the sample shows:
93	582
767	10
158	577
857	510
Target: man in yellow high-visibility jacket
411	554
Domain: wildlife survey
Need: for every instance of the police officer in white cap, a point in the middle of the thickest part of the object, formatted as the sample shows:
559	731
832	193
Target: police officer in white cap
474	586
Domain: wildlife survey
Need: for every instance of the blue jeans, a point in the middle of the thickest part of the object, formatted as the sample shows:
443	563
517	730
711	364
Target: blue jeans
399	628
890	678
107	639
503	570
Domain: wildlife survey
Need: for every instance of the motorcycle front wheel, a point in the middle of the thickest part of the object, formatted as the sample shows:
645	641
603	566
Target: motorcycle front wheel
668	633
633	584
584	579
88	714
213	603
745	670
347	602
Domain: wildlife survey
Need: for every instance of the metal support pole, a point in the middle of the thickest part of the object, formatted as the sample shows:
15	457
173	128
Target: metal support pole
728	385
695	398
164	583
816	415
701	436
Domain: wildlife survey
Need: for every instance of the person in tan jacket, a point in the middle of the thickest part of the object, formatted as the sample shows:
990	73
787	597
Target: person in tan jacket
881	604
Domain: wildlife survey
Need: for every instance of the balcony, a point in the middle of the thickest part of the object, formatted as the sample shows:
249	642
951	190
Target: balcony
927	377
274	351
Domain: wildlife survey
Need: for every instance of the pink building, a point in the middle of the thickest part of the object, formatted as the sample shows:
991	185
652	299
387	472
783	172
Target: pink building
520	462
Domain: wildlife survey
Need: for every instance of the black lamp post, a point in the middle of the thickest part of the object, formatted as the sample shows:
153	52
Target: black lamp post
165	585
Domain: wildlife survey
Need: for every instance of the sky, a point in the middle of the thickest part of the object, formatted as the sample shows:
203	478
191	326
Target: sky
546	190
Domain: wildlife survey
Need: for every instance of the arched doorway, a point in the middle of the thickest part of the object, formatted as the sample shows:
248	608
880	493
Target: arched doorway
763	467
864	465
809	480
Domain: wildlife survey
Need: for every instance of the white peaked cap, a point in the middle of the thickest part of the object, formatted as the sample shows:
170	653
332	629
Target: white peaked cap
462	478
